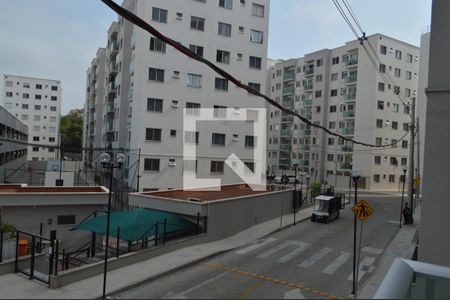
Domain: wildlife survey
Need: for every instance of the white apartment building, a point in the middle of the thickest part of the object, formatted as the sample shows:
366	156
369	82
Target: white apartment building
37	103
152	83
341	90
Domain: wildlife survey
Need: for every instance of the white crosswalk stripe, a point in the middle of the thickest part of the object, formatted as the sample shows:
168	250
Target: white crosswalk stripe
256	245
280	247
301	247
337	263
365	266
315	257
371	250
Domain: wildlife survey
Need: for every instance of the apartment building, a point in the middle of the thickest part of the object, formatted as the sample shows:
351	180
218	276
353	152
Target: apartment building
342	90
37	103
149	84
12	155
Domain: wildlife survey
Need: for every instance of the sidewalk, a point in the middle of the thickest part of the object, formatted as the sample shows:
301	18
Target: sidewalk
19	287
402	245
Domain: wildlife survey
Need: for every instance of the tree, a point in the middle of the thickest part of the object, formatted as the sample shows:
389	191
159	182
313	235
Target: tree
71	129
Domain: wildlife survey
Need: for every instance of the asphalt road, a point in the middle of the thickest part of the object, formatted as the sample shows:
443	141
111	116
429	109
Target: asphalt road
311	260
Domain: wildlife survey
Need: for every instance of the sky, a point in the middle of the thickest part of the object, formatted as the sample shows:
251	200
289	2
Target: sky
57	39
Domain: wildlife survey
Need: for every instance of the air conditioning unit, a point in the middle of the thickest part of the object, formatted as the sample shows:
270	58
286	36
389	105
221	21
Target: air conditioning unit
172	162
179	16
176	74
175	104
235	138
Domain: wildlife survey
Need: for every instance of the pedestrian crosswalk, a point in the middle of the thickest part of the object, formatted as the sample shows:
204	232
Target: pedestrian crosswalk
330	260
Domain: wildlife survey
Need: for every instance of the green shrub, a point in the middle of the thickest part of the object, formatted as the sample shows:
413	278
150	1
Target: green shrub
315	189
8	228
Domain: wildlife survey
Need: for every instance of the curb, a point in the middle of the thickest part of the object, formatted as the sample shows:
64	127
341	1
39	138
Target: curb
191	263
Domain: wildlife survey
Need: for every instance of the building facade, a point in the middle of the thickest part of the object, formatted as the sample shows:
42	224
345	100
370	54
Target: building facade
12	155
150	84
37	103
341	90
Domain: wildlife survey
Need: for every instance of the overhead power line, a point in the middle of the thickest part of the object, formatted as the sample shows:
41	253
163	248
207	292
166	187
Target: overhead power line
186	51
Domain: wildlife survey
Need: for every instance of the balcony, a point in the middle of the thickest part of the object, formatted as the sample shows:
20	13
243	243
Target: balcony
114	48
112	88
350	97
286	133
287	76
351	62
346	148
304	163
348	131
109	126
285	162
307	102
306	132
348	114
346	166
286	147
308	116
308	72
113	68
351	79
308	87
111	107
288	104
305	147
287	119
289	90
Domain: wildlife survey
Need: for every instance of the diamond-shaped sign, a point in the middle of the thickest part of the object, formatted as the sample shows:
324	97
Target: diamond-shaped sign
363	210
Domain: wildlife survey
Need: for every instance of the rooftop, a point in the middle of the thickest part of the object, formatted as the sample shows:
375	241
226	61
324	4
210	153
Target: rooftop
226	192
23	188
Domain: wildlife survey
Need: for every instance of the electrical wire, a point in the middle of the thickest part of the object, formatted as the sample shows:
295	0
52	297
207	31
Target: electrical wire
186	51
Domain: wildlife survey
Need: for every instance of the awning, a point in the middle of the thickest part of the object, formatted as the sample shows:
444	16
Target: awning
136	224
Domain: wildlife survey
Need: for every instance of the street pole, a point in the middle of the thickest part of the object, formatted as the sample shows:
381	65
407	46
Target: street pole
418	161
108	222
411	155
403	195
355	180
295	191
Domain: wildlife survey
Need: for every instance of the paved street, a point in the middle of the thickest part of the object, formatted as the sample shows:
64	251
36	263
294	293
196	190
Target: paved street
311	260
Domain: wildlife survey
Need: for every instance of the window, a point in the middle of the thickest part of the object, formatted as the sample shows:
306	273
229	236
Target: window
319	78
241	29
36	128
173	133
255	86
256	36
250	166
334	93
159	15
258	10
26	85
395	125
224	29
220	111
197	23
9	83
240	56
378	141
382	68
54	88
24	106
153	134
36	139
335	60
318	94
250	141
156	74
192	108
223	57
405	144
409	58
228	4
404	161
255	62
395	107
25	96
221	84
24	117
196	49
383	50
391	178
381	86
37	97
393	161
52	119
151	164
330	141
194	80
405	126
52	108
35	149
319	62
377	160
51	139
334	76
37	118
376	178
155	105
398	54
397	72
37	107
218	139
317	109
52	129
191	137
379	123
332	125
157	45
380	105
330	157
333	108
9	94
66	220
217	166
408	75
407	92
54	98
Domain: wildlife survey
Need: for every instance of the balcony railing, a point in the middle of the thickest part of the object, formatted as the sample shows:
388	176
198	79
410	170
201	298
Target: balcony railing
305	147
346	148
285	161
348	131
113	67
286	133
348	114
304	163
286	147
114	48
112	87
289	76
306	131
111	107
287	119
351	79
289	90
109	126
307	102
349	96
308	87
351	62
308	72
346	166
288	104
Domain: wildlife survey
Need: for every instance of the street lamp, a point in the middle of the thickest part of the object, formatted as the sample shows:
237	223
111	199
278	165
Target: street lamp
403	194
307	187
108	163
356	175
295	165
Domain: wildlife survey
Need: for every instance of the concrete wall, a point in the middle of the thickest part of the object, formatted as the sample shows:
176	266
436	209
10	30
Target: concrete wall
434	234
51	177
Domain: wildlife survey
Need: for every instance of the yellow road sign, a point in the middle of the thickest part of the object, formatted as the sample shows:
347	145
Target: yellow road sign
416	182
363	210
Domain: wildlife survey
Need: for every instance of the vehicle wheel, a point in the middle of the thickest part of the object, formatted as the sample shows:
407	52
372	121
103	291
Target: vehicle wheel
337	216
327	220
313	219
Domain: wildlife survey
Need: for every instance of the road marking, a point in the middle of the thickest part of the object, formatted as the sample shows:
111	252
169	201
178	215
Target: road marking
365	266
371	250
245	293
272	280
293	294
337	263
256	245
315	258
301	247
172	295
298	244
393	222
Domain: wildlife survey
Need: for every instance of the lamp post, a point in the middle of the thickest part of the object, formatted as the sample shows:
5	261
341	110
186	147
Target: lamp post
307	186
295	165
111	164
403	194
356	175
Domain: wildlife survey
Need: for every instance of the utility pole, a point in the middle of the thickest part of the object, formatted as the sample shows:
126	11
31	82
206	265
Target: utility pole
411	155
418	161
